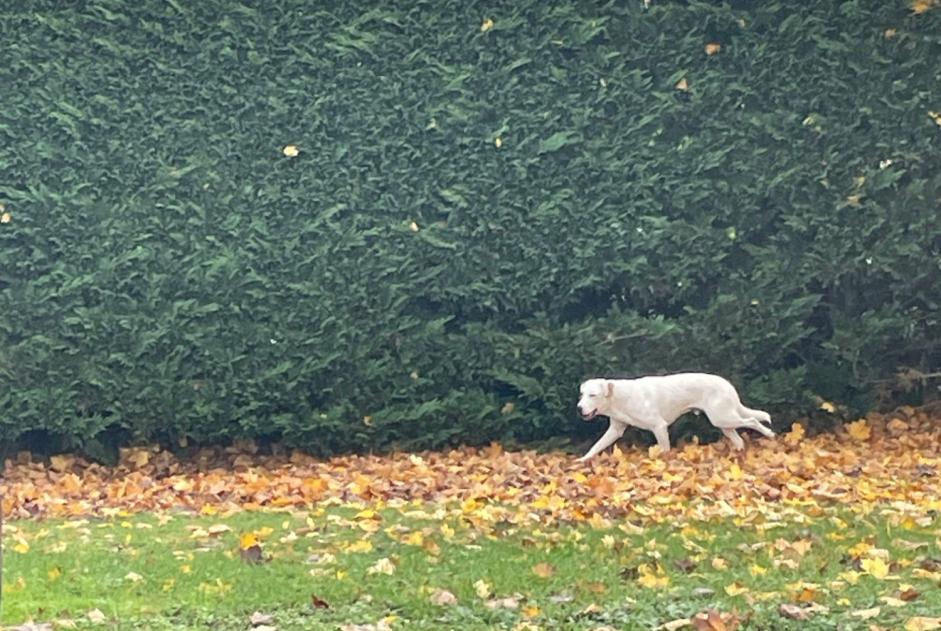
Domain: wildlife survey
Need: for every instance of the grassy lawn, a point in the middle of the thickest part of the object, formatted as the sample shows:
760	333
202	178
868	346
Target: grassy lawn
474	565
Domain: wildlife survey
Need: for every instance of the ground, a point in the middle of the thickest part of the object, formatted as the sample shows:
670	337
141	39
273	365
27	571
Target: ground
833	531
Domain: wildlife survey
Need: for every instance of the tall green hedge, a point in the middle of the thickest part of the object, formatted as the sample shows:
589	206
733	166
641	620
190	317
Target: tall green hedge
491	201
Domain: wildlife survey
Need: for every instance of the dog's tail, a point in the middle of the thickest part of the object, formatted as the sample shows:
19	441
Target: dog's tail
762	416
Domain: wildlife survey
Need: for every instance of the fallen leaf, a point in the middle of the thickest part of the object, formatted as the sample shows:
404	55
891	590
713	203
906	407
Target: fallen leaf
482	588
866	614
859	430
922	623
382	566
258	618
794	612
875	567
95	616
543	570
443	597
509	602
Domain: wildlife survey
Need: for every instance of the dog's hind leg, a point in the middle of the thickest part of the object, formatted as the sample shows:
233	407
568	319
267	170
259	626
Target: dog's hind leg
760	415
756	425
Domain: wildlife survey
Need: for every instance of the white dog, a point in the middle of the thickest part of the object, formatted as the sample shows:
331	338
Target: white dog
653	403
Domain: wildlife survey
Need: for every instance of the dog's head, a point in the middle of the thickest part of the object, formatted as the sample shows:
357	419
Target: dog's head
594	399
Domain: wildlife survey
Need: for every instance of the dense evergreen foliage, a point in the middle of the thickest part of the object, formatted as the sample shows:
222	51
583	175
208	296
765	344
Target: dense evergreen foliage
489	202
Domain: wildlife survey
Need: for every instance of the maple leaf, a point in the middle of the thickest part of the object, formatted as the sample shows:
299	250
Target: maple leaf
858	431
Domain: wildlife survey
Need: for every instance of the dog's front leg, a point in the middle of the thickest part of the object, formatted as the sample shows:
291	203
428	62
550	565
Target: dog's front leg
615	431
662	434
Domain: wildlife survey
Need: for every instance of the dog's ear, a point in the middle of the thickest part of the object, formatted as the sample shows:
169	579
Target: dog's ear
609	388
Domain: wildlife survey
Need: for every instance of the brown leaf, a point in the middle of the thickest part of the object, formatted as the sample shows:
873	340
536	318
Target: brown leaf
543	570
318	603
909	594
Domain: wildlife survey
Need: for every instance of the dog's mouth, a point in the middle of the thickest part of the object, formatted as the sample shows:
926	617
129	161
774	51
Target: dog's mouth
587	416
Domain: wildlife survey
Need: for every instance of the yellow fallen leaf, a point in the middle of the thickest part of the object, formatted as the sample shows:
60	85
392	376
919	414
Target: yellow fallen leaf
363	545
859	431
134	577
248	540
416	538
718	563
54	573
922	623
796	435
892	601
482	588
651	579
927	574
382	566
877	568
735	589
531	611
866	614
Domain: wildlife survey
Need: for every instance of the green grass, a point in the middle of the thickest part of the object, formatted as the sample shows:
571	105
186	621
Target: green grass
189	580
